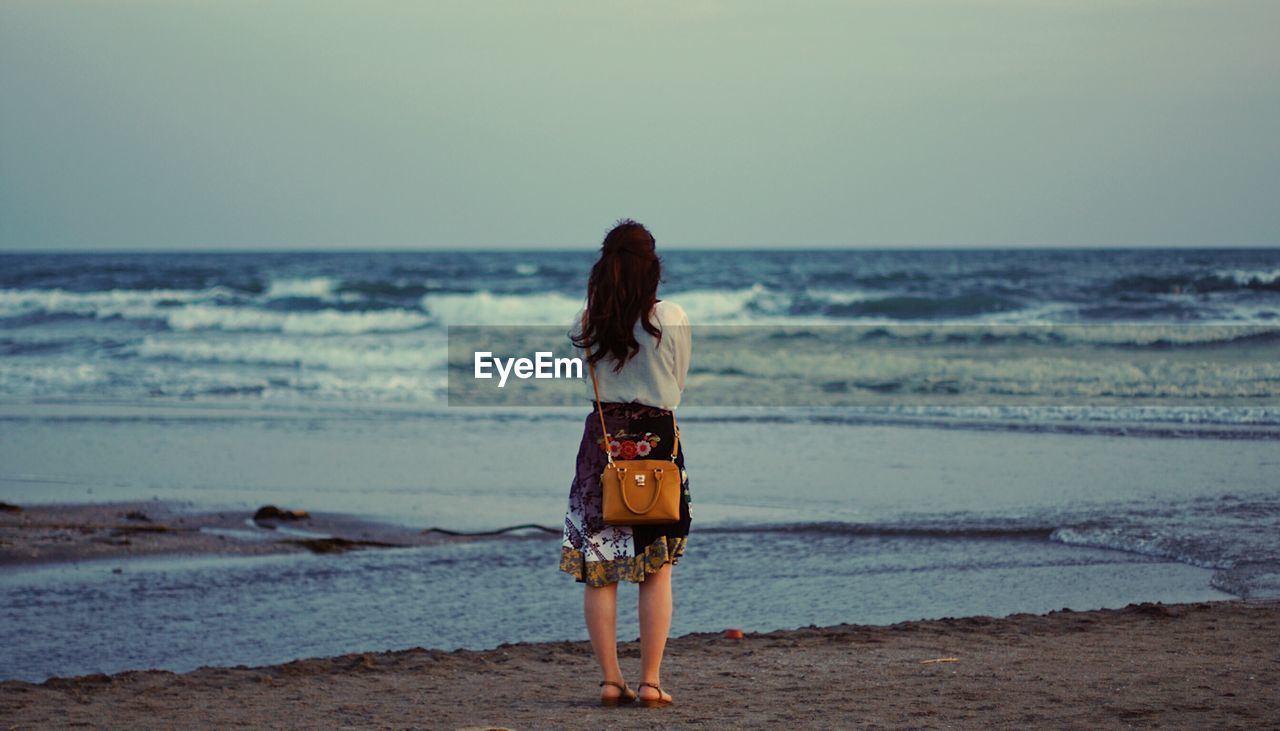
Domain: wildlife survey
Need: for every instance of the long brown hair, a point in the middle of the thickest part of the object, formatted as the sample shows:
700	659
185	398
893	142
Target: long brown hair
622	289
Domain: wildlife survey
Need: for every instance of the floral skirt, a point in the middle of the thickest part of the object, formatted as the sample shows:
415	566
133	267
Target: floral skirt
595	552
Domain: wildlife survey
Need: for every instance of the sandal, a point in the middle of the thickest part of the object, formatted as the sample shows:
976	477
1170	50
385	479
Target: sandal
626	696
661	700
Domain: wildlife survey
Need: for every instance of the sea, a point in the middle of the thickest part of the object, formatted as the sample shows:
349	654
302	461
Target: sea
872	436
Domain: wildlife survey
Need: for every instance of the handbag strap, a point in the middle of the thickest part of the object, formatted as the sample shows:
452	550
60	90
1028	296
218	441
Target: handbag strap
595	386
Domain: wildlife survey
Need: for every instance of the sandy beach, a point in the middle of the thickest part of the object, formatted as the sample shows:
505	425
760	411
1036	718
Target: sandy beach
1208	665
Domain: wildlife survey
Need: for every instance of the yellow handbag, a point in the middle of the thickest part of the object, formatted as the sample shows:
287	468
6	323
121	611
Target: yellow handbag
638	491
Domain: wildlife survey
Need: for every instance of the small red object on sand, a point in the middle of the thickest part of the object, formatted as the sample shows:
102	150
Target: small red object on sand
733	634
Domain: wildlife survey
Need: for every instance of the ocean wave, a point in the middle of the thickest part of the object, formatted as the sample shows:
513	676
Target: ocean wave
488	308
183	310
1122	335
1216	533
851	336
917	307
1148	541
762	304
1252	277
1049	415
397	290
126	303
318	287
1195	282
159	379
380	355
823	373
749	304
316	322
974	529
376	386
1250	580
48	345
1236	536
758	304
52	378
110	380
1154	422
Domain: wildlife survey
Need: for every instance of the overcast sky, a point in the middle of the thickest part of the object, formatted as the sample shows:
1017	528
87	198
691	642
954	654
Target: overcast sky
313	124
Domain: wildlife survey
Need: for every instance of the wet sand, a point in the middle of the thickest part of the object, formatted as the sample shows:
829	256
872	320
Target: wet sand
37	534
1209	665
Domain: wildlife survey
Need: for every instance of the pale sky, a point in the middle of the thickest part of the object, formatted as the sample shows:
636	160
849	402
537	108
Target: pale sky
181	124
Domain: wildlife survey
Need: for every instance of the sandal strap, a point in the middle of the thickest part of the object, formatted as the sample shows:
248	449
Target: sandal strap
619	686
651	685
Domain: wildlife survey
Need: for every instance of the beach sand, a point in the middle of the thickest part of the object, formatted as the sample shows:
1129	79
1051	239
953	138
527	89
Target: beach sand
1209	665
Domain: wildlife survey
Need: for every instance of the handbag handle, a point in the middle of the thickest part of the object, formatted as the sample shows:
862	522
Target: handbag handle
623	491
595	386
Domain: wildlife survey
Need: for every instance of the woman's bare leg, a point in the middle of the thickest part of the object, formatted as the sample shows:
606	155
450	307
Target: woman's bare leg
655	624
600	607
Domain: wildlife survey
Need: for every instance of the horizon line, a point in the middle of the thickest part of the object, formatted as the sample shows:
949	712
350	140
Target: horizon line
514	249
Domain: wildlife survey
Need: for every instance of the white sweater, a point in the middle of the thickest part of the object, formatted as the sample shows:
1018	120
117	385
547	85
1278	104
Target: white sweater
655	375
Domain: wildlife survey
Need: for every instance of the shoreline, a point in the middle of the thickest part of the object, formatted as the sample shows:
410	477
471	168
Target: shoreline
64	533
1210	664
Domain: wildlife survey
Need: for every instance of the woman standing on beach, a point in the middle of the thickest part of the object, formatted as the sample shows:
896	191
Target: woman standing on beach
639	347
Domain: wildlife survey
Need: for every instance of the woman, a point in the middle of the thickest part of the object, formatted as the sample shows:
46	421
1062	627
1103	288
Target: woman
639	348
